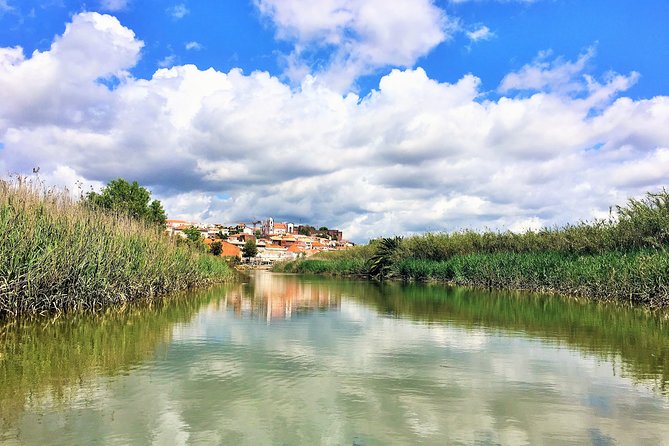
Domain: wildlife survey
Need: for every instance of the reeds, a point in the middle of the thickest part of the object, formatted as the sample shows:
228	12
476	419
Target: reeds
622	258
57	255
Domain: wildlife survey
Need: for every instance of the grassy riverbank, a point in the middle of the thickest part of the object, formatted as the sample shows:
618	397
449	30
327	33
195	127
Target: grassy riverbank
58	255
624	258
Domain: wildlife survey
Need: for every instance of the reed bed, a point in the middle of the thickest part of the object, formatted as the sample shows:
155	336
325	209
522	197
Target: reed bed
623	258
57	255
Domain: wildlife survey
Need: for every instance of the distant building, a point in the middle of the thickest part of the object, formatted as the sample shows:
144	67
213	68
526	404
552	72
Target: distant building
270	227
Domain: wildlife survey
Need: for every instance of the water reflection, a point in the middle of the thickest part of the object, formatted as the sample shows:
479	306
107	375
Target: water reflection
292	360
271	299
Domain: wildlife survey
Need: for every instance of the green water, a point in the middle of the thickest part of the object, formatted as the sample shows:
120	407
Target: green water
292	360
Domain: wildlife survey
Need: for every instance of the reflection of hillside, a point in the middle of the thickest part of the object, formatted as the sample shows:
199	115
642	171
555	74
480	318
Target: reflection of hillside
273	297
40	360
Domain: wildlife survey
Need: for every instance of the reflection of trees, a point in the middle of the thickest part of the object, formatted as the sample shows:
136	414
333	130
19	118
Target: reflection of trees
42	359
271	297
634	336
49	359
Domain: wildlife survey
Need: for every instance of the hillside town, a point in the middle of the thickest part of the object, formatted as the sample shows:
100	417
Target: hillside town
274	241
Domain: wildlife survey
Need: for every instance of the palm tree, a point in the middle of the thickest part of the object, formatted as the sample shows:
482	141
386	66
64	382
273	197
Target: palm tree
380	263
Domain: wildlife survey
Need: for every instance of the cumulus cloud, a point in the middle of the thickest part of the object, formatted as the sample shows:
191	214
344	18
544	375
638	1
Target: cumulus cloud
415	154
363	35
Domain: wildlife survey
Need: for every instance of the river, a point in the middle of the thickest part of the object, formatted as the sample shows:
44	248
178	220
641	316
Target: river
288	360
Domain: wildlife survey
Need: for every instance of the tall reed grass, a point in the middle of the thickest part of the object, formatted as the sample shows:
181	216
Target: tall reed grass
624	257
58	255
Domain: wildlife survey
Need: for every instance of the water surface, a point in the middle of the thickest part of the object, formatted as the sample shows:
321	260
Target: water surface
292	360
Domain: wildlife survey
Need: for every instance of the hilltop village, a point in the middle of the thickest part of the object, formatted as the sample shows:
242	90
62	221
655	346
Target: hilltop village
274	241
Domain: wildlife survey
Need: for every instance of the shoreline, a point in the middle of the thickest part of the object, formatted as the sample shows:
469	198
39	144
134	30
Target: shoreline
644	287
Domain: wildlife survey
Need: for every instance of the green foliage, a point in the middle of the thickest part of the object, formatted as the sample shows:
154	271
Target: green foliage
250	249
130	199
340	267
640	277
622	258
384	257
57	255
193	234
306	230
216	248
193	239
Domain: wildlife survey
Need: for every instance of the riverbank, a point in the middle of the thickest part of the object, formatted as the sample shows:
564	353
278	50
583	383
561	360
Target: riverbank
624	258
57	255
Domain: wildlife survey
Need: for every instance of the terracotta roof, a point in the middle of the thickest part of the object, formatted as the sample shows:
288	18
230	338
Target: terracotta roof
296	248
280	226
229	250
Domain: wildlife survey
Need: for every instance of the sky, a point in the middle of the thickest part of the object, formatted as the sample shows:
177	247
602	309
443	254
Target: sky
375	117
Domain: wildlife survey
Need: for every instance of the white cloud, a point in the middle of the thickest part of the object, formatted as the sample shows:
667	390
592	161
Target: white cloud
364	34
557	75
413	155
167	61
178	11
114	5
480	33
196	46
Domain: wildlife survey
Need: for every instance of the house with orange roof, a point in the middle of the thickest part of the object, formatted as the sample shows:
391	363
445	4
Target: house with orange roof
227	248
296	249
230	250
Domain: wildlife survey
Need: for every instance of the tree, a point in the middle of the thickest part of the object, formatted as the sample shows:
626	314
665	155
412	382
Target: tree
128	198
323	228
216	248
385	255
250	248
193	234
306	230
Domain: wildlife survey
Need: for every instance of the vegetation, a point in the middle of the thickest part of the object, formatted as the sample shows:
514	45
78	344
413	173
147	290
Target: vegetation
193	239
250	248
58	254
216	248
306	230
120	196
622	258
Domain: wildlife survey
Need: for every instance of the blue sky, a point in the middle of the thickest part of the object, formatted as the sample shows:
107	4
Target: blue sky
511	66
629	36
